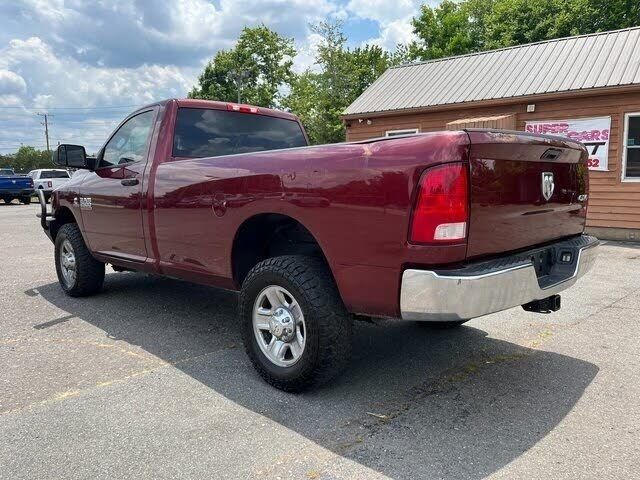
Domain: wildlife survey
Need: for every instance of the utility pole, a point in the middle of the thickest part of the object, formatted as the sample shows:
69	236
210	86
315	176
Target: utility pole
237	76
46	127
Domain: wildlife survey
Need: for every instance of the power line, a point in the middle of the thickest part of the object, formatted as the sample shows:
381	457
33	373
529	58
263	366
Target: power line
100	113
17	147
101	107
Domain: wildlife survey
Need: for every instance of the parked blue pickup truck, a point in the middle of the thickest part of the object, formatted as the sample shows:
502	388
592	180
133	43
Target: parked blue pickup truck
14	186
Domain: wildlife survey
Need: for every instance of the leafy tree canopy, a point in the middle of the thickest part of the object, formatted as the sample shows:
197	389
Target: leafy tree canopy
459	27
260	64
320	97
451	28
251	72
27	159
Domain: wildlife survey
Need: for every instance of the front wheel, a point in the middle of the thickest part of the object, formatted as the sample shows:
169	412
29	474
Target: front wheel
295	328
78	272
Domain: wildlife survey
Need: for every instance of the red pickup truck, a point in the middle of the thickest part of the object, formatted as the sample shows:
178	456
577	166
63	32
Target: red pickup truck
437	227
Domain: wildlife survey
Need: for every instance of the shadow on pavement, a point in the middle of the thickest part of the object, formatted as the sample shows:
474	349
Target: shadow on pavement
414	403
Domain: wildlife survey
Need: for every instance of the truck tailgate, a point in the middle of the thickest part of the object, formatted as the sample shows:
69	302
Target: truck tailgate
509	209
15	183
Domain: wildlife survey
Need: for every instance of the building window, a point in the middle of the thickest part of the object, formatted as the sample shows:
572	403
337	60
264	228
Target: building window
395	133
631	148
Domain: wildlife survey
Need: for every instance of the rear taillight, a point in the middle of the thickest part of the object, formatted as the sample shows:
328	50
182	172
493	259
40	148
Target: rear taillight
235	107
49	184
441	212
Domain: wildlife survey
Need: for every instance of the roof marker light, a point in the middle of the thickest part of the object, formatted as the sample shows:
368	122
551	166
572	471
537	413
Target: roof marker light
234	107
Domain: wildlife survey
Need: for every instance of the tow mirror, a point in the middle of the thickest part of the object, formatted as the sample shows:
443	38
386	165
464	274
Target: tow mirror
73	156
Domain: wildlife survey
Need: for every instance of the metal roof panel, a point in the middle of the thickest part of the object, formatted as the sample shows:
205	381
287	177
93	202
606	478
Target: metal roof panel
597	60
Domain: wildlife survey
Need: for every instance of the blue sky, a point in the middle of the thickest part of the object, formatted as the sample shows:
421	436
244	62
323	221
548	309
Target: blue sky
88	63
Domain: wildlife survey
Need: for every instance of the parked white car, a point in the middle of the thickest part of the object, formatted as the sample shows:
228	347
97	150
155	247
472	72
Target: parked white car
48	179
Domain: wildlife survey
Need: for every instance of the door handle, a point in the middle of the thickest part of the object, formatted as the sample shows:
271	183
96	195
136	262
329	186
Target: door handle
129	182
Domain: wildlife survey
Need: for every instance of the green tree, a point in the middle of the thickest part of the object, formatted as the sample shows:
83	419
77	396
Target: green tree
451	28
255	69
303	100
319	98
459	27
602	15
516	22
26	159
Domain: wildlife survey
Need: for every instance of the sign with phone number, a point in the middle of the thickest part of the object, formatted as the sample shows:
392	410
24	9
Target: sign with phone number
592	132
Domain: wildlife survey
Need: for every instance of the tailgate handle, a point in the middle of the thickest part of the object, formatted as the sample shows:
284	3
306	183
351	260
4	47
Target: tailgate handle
129	182
551	154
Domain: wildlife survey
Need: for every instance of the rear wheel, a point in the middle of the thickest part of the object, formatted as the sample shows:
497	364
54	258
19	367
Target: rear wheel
78	272
295	328
7	200
26	200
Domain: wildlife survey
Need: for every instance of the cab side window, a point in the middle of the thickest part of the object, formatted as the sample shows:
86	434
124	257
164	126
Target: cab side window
130	142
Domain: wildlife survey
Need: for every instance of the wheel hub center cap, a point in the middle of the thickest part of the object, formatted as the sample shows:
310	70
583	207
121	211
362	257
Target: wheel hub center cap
282	325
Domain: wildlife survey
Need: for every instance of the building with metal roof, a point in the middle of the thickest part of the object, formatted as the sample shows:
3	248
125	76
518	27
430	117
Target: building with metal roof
585	62
585	87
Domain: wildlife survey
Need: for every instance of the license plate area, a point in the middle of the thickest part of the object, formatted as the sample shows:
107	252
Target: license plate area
543	261
554	264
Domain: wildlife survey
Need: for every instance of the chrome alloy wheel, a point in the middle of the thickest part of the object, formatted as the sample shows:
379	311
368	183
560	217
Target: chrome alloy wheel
68	263
278	324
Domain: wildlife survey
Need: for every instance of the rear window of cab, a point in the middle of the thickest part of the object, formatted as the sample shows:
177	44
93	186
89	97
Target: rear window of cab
54	174
203	132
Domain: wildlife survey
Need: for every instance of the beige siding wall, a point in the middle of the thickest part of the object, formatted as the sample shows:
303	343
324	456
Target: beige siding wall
612	203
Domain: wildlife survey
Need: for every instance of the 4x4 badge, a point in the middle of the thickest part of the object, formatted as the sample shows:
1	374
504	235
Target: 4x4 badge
547	185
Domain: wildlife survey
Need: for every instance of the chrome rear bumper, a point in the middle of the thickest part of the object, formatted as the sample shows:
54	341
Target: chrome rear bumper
492	286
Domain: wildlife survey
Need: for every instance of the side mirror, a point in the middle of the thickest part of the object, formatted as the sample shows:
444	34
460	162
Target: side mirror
72	156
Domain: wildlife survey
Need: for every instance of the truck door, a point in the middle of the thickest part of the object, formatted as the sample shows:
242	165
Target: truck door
111	197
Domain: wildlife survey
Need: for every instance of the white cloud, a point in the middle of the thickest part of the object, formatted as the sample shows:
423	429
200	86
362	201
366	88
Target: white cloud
11	83
394	33
84	53
47	81
125	33
306	58
393	17
383	11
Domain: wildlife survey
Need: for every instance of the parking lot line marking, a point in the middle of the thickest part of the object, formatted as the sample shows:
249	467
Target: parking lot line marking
62	396
78	342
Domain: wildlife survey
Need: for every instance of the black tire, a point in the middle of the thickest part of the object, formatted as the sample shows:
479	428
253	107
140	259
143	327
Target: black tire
447	325
26	200
89	272
7	200
328	327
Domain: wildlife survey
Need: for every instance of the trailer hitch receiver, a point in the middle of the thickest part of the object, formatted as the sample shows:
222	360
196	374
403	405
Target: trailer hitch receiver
546	305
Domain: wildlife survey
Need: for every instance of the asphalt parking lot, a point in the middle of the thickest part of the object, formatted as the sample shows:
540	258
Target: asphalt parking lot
149	380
